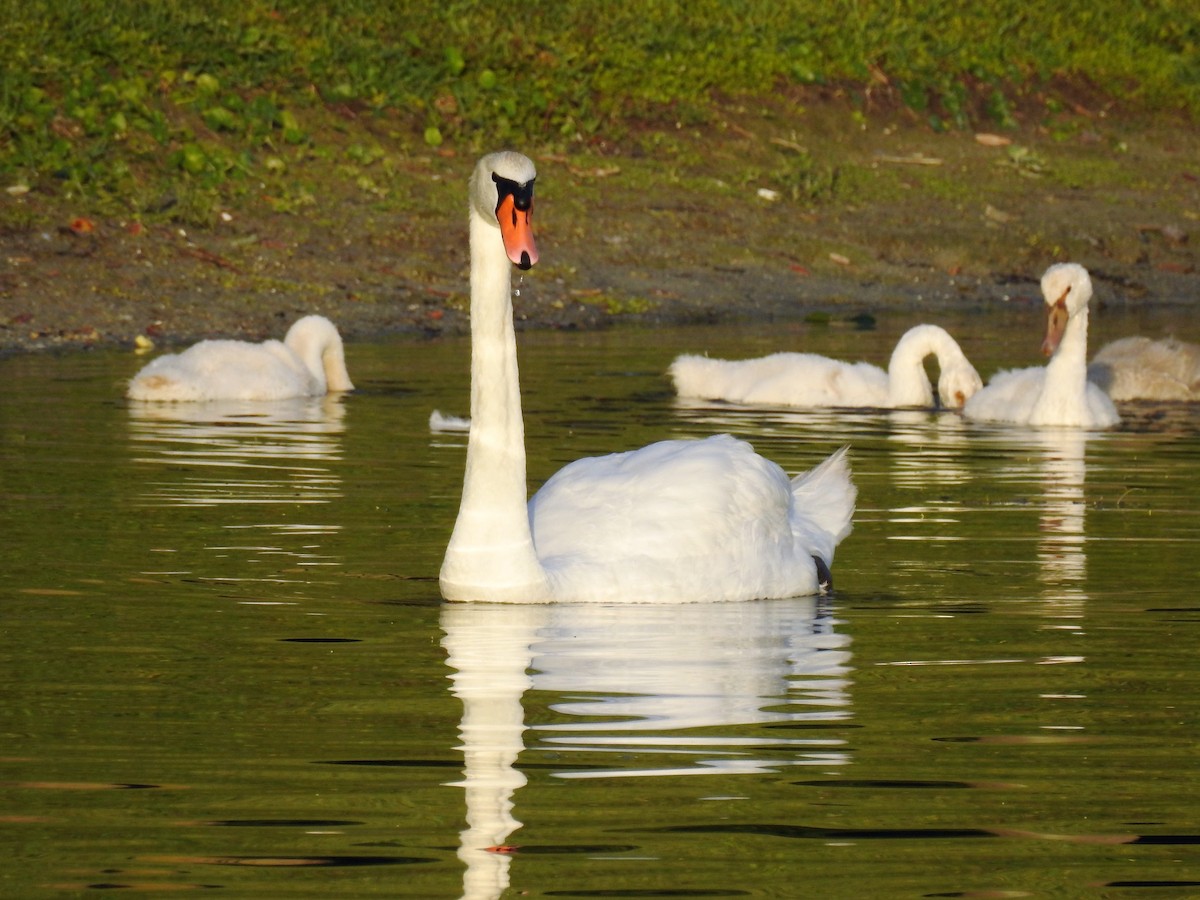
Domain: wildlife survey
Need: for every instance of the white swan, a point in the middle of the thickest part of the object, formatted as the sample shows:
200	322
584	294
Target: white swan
809	380
1138	368
308	362
675	521
1059	393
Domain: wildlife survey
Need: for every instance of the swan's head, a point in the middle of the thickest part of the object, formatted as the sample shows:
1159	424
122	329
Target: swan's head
1067	289
502	193
957	383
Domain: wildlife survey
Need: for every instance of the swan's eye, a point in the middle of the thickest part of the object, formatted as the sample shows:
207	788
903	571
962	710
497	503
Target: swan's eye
522	194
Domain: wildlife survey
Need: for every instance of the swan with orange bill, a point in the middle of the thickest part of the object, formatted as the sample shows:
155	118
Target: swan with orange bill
676	521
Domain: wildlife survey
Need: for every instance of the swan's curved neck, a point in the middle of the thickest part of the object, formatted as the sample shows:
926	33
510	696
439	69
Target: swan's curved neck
333	365
319	348
491	554
908	385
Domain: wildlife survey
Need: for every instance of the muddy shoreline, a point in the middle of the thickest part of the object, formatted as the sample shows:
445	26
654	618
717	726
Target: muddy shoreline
928	222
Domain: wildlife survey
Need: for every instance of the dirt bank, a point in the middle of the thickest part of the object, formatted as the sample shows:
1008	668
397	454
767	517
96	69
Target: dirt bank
777	212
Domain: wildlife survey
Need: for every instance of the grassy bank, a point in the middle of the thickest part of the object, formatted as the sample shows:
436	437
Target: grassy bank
161	110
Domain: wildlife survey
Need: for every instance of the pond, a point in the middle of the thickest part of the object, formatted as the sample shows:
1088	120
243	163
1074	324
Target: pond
226	664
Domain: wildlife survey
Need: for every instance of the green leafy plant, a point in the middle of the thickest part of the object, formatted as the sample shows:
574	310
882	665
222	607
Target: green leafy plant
209	90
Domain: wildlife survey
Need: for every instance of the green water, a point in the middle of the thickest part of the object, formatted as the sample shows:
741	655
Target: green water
225	664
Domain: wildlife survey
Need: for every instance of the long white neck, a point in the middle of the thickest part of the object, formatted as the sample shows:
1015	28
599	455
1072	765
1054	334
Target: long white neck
491	554
908	385
333	364
1063	400
317	342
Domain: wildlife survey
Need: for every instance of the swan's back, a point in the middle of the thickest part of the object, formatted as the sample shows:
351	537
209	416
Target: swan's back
1009	396
679	521
781	379
308	363
225	369
1138	368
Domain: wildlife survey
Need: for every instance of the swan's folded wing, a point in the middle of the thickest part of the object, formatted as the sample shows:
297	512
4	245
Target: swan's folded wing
781	379
224	369
1008	397
672	521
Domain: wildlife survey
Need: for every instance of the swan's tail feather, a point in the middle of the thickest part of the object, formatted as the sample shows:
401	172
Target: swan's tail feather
825	497
693	376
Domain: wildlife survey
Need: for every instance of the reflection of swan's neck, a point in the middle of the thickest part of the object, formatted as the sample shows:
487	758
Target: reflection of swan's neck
491	554
908	385
489	649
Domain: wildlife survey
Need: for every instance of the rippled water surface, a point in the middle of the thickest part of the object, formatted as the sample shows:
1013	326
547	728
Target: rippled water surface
226	665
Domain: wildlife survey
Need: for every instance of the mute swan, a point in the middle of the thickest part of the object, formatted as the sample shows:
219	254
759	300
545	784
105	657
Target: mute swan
806	379
308	363
1059	393
1137	368
679	520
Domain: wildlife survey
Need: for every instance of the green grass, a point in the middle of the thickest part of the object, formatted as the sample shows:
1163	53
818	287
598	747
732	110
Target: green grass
127	103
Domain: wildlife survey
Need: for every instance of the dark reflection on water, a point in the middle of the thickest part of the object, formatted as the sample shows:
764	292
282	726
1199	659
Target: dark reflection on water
236	609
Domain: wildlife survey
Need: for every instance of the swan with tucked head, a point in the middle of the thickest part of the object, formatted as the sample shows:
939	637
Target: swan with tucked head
676	521
1059	393
1138	368
309	362
809	380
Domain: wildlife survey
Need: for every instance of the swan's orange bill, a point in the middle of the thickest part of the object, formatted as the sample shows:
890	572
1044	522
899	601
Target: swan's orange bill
1056	324
516	228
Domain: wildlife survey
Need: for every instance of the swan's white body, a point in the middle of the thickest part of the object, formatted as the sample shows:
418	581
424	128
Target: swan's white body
1058	393
1138	368
677	521
308	362
809	380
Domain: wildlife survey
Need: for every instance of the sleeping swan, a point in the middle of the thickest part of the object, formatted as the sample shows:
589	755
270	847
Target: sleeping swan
308	363
808	380
1059	393
1137	368
680	520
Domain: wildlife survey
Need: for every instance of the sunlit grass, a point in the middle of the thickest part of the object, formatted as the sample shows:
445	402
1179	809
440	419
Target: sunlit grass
127	102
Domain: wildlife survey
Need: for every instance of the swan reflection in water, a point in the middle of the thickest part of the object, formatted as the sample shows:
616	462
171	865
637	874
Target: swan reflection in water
635	681
1062	559
236	456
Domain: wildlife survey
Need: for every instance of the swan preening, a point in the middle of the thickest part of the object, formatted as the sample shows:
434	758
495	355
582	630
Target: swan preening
809	380
308	362
679	520
1138	368
1059	393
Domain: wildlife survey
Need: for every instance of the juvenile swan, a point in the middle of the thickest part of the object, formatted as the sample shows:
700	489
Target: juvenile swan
308	363
1059	393
809	380
1138	368
677	521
